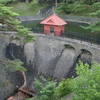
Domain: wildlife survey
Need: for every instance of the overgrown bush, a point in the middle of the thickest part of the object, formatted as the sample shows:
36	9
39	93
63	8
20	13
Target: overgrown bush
5	2
87	85
80	8
45	89
63	88
89	2
34	4
63	7
97	13
96	6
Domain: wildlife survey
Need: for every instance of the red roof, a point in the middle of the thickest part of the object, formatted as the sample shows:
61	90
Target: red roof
53	20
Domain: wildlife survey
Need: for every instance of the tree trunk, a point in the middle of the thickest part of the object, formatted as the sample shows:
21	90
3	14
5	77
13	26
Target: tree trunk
8	24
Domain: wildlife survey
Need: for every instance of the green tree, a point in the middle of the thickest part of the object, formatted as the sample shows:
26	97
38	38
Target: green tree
5	2
64	8
12	65
45	89
96	6
87	85
95	27
63	88
34	4
97	13
8	17
79	7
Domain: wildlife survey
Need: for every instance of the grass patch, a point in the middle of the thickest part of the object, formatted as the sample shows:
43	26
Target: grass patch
23	9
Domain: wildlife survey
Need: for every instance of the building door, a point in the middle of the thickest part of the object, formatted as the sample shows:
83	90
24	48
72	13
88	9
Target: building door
51	29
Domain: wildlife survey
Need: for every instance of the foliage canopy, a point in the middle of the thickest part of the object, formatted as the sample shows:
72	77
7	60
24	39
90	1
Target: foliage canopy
8	17
12	65
95	27
86	85
45	88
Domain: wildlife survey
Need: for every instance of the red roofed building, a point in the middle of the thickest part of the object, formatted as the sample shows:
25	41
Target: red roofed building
54	24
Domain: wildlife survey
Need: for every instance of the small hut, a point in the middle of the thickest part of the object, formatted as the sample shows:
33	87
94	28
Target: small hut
54	24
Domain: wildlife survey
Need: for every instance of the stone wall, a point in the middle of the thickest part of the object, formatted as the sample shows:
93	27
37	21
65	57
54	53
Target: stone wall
55	56
51	56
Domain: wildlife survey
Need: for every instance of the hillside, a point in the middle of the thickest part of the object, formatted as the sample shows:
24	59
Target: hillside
24	9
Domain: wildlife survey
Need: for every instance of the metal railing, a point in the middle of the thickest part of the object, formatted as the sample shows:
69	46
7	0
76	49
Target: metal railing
72	35
83	37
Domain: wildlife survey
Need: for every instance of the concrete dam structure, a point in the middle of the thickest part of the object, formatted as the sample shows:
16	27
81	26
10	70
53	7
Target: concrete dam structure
50	56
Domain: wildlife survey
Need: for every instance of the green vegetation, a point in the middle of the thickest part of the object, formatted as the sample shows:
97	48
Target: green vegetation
21	8
86	85
15	65
12	65
77	8
7	66
95	27
8	18
24	9
84	8
45	89
83	87
34	4
63	88
5	2
48	90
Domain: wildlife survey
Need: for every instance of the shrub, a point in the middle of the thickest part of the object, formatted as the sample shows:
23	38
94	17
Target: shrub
80	8
45	89
63	88
34	4
97	13
96	6
89	2
87	85
63	7
5	2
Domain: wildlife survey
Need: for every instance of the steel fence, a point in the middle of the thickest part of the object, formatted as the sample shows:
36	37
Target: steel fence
72	35
83	37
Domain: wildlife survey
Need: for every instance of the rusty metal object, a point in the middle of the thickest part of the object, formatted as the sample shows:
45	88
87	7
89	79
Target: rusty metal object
23	92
